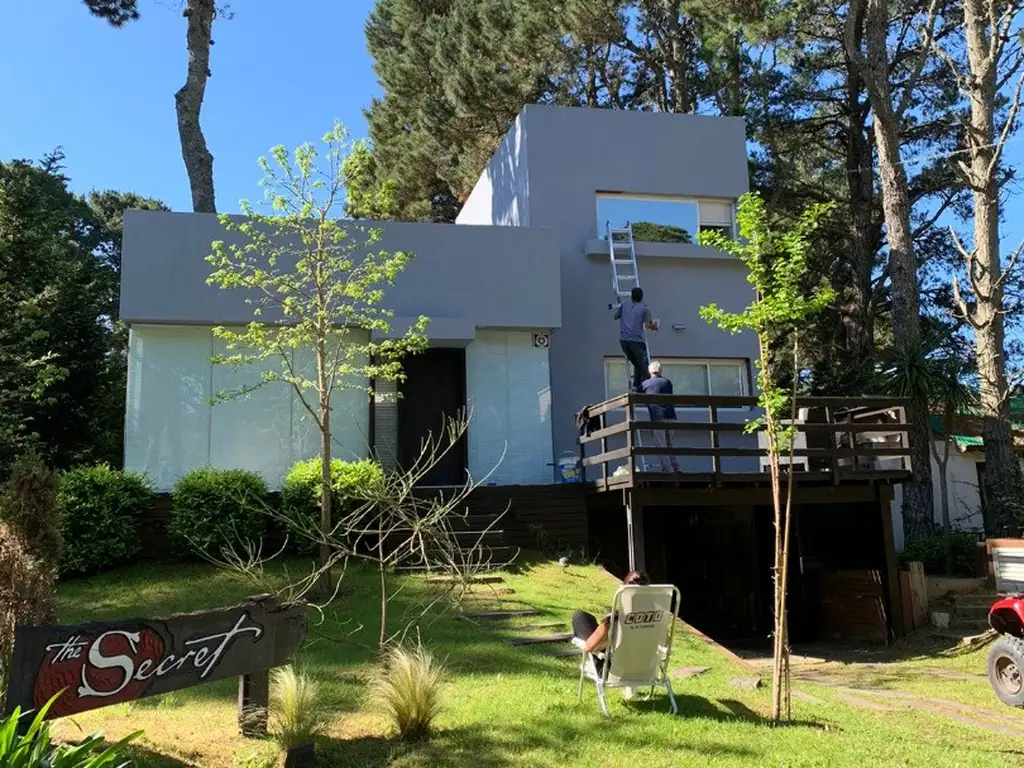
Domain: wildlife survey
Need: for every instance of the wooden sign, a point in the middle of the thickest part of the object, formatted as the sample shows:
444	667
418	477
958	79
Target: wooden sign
103	663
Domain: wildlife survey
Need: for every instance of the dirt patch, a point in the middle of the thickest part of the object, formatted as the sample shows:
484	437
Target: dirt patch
856	701
805	696
949	674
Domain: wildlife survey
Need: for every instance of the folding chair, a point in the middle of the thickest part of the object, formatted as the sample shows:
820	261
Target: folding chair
639	645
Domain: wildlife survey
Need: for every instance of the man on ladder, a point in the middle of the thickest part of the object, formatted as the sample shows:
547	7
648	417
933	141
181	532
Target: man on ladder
634	317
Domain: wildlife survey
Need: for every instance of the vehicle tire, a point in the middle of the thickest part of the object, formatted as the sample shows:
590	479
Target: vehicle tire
1006	669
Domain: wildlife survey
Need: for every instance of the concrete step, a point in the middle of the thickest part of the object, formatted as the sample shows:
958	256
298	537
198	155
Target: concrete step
413	568
491	604
559	637
976	600
971	612
497	615
542	625
469	579
489	593
979	625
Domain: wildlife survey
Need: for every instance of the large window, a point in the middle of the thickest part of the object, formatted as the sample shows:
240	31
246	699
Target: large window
172	427
663	219
688	376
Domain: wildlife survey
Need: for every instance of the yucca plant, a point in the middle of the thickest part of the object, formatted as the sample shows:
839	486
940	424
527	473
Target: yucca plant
35	749
407	687
297	709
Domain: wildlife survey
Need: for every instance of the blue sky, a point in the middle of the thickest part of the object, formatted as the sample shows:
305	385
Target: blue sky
279	77
107	95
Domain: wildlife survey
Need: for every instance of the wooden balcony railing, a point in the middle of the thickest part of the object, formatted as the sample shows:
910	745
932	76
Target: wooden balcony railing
835	438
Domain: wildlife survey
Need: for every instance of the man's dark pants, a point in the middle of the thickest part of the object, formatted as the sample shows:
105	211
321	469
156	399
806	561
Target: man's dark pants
636	353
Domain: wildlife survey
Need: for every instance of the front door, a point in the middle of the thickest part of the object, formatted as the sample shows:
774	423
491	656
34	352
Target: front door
435	387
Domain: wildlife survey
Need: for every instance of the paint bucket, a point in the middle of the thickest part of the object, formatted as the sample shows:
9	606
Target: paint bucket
569	468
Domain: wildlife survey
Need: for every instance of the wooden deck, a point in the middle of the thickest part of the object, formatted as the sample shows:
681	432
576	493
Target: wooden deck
839	441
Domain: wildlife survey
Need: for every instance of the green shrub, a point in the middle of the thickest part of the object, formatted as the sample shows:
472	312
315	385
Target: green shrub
297	708
100	509
28	503
407	687
931	551
34	747
352	482
216	509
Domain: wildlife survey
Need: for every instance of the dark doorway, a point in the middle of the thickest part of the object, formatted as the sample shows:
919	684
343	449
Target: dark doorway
711	555
435	387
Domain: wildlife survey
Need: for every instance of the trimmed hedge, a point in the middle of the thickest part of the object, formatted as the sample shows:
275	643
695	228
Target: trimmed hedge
931	552
100	509
351	483
214	509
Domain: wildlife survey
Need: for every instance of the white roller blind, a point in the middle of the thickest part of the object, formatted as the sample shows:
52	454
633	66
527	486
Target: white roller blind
715	214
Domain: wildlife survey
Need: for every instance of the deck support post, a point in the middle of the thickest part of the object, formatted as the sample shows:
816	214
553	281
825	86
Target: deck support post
891	574
635	531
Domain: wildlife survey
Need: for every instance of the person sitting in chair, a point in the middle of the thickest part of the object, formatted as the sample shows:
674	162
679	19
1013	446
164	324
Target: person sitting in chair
595	635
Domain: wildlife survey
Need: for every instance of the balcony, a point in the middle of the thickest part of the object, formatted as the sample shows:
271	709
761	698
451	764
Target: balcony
837	441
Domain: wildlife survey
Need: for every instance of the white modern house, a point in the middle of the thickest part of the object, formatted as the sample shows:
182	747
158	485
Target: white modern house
517	291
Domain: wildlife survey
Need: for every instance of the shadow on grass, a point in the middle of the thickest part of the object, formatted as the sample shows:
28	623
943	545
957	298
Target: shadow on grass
143	757
721	710
917	647
505	745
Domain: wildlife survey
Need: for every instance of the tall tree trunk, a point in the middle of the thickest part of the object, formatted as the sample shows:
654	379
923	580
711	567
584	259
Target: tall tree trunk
856	310
188	102
592	100
1004	489
918	515
942	462
326	523
734	78
676	59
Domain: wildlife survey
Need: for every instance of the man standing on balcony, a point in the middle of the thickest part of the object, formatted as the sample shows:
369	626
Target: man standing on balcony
662	438
634	316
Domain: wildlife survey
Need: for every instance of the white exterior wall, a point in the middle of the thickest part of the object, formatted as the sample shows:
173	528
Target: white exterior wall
964	494
508	391
171	426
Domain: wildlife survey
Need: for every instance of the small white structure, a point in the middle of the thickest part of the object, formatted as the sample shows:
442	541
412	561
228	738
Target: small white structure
965	471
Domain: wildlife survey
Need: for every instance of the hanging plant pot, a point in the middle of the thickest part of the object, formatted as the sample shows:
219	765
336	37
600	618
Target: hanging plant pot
300	756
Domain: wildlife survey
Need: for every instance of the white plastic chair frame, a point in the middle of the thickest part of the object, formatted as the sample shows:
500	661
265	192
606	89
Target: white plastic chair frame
609	677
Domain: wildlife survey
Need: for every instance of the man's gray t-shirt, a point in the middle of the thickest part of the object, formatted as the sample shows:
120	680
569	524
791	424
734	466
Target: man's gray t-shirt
631	317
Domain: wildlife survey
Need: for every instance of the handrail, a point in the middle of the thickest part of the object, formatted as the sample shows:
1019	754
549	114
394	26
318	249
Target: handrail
740	401
841	436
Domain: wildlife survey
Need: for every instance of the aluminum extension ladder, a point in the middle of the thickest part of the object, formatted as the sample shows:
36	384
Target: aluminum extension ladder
625	277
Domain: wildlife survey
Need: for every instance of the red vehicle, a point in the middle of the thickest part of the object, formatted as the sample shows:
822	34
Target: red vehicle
1006	658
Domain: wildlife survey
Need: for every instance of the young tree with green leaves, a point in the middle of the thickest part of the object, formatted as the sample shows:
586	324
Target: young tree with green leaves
786	298
315	283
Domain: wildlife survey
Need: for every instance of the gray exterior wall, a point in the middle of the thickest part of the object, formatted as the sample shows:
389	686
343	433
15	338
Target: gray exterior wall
525	253
501	194
566	156
461	277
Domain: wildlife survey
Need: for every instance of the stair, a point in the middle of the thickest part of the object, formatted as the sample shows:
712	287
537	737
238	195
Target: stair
482	531
968	614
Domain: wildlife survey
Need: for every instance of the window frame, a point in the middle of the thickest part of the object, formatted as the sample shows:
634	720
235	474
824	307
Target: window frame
743	364
701	223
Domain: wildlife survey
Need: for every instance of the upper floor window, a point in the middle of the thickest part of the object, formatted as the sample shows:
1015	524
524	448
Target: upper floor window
663	219
689	376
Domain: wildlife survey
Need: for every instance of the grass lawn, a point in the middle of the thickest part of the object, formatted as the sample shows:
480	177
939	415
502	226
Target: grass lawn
515	706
